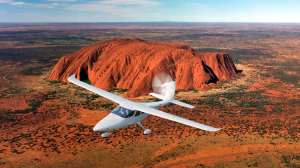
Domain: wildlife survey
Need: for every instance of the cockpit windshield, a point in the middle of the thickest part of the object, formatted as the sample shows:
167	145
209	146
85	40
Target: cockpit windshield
122	112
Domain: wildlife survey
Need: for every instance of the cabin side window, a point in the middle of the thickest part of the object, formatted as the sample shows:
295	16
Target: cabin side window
122	112
137	113
130	114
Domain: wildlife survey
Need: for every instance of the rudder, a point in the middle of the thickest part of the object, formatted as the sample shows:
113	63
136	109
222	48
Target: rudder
170	87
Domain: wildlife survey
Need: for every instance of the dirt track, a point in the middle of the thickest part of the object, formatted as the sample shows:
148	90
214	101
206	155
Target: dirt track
4	77
232	154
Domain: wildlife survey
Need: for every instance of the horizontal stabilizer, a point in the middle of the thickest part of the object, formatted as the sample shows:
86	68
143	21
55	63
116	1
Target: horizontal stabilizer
157	95
172	101
182	104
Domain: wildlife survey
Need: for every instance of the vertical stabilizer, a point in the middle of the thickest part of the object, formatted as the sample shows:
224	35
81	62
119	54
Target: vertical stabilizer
170	87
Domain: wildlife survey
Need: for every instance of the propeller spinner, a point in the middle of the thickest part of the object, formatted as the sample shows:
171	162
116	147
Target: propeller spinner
159	80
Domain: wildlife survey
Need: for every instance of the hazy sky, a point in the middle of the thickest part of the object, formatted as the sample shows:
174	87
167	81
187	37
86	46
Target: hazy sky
150	10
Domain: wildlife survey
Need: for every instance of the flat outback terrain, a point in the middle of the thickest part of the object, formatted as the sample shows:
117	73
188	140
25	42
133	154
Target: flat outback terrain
50	123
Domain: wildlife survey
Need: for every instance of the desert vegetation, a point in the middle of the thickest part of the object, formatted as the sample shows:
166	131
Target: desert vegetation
48	123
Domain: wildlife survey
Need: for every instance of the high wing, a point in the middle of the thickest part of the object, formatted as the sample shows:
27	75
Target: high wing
108	95
172	117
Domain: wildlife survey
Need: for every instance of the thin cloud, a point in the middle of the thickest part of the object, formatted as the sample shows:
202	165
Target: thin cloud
123	8
46	5
5	1
130	2
11	2
14	3
198	6
17	3
61	0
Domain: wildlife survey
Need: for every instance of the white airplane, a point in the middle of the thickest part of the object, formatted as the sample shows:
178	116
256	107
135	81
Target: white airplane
129	113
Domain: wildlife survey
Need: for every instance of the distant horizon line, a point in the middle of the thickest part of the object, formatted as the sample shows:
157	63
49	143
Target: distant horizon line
162	22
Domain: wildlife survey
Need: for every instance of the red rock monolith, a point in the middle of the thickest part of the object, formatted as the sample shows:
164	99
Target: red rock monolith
132	64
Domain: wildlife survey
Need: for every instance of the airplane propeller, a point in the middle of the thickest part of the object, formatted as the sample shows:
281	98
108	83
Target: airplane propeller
159	80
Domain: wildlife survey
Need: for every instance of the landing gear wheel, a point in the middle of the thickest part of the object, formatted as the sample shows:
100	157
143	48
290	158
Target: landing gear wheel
147	131
105	134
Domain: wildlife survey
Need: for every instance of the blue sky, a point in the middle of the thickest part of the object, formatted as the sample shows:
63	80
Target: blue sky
149	11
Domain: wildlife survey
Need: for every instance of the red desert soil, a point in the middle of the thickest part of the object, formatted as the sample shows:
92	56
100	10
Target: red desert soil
90	117
132	64
225	154
13	103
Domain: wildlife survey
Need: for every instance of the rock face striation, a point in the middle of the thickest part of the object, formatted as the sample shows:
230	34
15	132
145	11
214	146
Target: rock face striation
132	64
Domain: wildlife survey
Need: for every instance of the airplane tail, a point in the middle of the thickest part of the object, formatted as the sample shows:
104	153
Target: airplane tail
170	87
169	96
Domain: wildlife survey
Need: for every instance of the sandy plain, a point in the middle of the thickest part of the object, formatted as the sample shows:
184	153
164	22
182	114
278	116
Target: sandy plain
50	124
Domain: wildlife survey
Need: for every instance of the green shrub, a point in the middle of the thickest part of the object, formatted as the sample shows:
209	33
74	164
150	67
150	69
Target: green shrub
87	81
54	82
35	103
36	71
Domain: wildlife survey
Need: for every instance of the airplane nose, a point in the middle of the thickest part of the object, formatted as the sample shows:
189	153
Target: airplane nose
107	123
99	127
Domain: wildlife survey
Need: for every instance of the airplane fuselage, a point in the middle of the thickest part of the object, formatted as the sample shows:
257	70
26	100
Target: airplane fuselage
130	113
122	117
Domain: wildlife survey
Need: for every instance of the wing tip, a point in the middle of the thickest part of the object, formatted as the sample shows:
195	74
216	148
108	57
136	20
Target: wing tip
72	77
214	129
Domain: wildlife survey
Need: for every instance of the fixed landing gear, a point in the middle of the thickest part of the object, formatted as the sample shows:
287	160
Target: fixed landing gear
105	134
147	131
